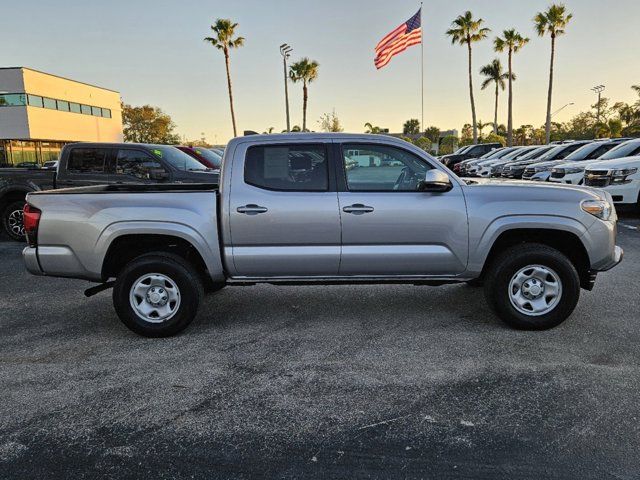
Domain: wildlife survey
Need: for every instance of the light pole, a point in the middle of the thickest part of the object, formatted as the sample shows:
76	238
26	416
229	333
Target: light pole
285	51
598	89
561	108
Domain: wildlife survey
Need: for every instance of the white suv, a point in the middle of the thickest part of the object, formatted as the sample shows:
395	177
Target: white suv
618	177
572	171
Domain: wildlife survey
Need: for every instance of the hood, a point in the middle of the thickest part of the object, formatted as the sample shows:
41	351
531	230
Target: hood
548	163
624	162
578	163
520	190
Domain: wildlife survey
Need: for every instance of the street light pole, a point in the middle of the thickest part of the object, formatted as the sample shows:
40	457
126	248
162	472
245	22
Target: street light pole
598	89
561	108
285	51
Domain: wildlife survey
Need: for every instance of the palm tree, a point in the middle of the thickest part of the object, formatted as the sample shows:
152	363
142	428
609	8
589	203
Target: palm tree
481	126
224	40
552	21
512	41
493	72
306	71
465	30
370	128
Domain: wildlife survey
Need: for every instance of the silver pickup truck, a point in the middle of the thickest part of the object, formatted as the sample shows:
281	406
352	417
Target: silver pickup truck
318	209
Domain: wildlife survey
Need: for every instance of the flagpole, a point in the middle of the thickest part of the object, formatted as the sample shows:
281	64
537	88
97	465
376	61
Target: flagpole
422	67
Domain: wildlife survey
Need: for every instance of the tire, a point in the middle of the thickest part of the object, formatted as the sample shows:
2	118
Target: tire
12	220
540	280
165	278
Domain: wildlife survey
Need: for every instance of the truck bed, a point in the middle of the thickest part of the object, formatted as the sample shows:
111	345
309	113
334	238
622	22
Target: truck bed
133	188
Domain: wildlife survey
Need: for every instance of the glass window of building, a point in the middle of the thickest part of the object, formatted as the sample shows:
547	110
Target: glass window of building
34	100
63	105
24	153
49	103
106	113
13	100
96	111
85	109
74	107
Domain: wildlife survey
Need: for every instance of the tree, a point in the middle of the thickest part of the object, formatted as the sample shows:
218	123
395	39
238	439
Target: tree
148	124
511	41
329	122
481	126
432	133
553	22
466	135
411	127
224	40
465	30
305	71
494	74
448	144
369	128
424	143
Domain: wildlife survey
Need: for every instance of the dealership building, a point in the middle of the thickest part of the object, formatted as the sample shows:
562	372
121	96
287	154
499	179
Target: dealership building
40	113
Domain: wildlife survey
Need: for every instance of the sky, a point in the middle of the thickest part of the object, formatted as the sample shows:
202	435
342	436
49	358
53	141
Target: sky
152	52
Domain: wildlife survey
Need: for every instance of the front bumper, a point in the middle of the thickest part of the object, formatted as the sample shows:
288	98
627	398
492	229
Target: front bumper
618	254
624	193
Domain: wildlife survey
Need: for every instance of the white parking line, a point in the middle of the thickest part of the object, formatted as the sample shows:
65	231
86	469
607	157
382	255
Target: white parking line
630	227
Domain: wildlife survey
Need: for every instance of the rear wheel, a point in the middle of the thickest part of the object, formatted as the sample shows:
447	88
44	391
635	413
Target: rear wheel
532	287
157	295
12	220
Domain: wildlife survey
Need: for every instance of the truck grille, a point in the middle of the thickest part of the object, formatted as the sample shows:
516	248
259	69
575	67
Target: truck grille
529	172
557	173
597	178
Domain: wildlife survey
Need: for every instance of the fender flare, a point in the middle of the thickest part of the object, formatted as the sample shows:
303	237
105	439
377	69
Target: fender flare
209	252
480	250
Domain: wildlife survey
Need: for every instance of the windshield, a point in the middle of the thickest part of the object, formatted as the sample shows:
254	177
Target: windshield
213	157
553	153
625	149
535	153
462	150
494	153
177	158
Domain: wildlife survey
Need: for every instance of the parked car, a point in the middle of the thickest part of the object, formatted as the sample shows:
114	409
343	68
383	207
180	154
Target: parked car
206	157
516	170
474	151
572	172
85	164
286	211
551	159
618	177
50	165
486	168
460	167
463	168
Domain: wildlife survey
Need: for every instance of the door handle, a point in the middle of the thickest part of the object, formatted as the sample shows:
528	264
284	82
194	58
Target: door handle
358	209
251	209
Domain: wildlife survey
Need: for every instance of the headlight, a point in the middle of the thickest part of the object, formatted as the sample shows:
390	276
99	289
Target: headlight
598	208
620	175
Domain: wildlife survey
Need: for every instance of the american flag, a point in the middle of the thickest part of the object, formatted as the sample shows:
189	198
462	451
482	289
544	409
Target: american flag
398	40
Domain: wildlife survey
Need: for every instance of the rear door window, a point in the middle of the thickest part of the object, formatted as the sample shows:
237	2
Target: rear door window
136	163
87	160
287	167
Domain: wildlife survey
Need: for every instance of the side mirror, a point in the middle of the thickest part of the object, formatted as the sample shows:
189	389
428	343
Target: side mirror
158	174
435	181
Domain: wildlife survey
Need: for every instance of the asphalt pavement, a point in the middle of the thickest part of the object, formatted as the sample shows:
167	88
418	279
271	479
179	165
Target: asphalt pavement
386	381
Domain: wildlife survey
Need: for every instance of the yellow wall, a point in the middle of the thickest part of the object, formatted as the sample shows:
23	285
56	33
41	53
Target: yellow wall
69	126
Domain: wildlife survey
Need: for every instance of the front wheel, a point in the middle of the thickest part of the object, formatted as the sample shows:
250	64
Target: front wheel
12	220
532	287
157	295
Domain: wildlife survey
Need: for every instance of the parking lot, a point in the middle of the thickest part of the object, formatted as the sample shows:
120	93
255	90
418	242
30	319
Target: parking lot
314	382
